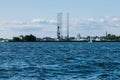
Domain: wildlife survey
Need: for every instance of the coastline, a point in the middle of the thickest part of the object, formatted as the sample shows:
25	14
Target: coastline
65	41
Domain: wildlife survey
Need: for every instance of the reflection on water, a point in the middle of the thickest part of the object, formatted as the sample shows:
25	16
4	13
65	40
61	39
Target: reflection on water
60	61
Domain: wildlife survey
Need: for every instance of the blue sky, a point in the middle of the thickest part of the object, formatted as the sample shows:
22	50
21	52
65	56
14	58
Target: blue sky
38	17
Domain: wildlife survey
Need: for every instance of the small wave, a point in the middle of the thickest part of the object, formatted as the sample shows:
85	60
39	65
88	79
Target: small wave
14	64
115	51
23	78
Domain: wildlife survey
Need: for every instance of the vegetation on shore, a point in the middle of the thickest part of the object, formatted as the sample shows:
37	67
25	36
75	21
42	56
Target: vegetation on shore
32	38
112	37
26	38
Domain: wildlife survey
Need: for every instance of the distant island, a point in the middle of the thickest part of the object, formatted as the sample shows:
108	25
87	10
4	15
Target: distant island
32	38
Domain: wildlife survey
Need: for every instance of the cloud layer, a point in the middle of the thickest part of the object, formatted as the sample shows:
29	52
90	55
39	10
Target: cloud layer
47	27
98	26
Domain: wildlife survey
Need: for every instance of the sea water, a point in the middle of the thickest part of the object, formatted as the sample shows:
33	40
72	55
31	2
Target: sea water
60	61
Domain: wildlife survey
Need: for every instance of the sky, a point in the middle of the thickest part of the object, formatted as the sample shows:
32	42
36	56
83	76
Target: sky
39	17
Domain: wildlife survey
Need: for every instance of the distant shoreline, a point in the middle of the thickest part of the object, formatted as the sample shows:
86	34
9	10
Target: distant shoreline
67	41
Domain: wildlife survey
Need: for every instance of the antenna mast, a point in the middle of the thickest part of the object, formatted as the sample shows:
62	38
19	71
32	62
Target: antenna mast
67	25
59	25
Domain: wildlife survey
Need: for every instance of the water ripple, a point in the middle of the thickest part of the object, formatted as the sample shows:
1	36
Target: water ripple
59	61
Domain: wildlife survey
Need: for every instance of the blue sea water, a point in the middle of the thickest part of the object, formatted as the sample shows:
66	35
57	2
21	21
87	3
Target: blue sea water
60	61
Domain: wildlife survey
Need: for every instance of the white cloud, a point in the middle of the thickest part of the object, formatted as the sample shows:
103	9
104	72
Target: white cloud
44	21
115	19
37	21
90	19
101	20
